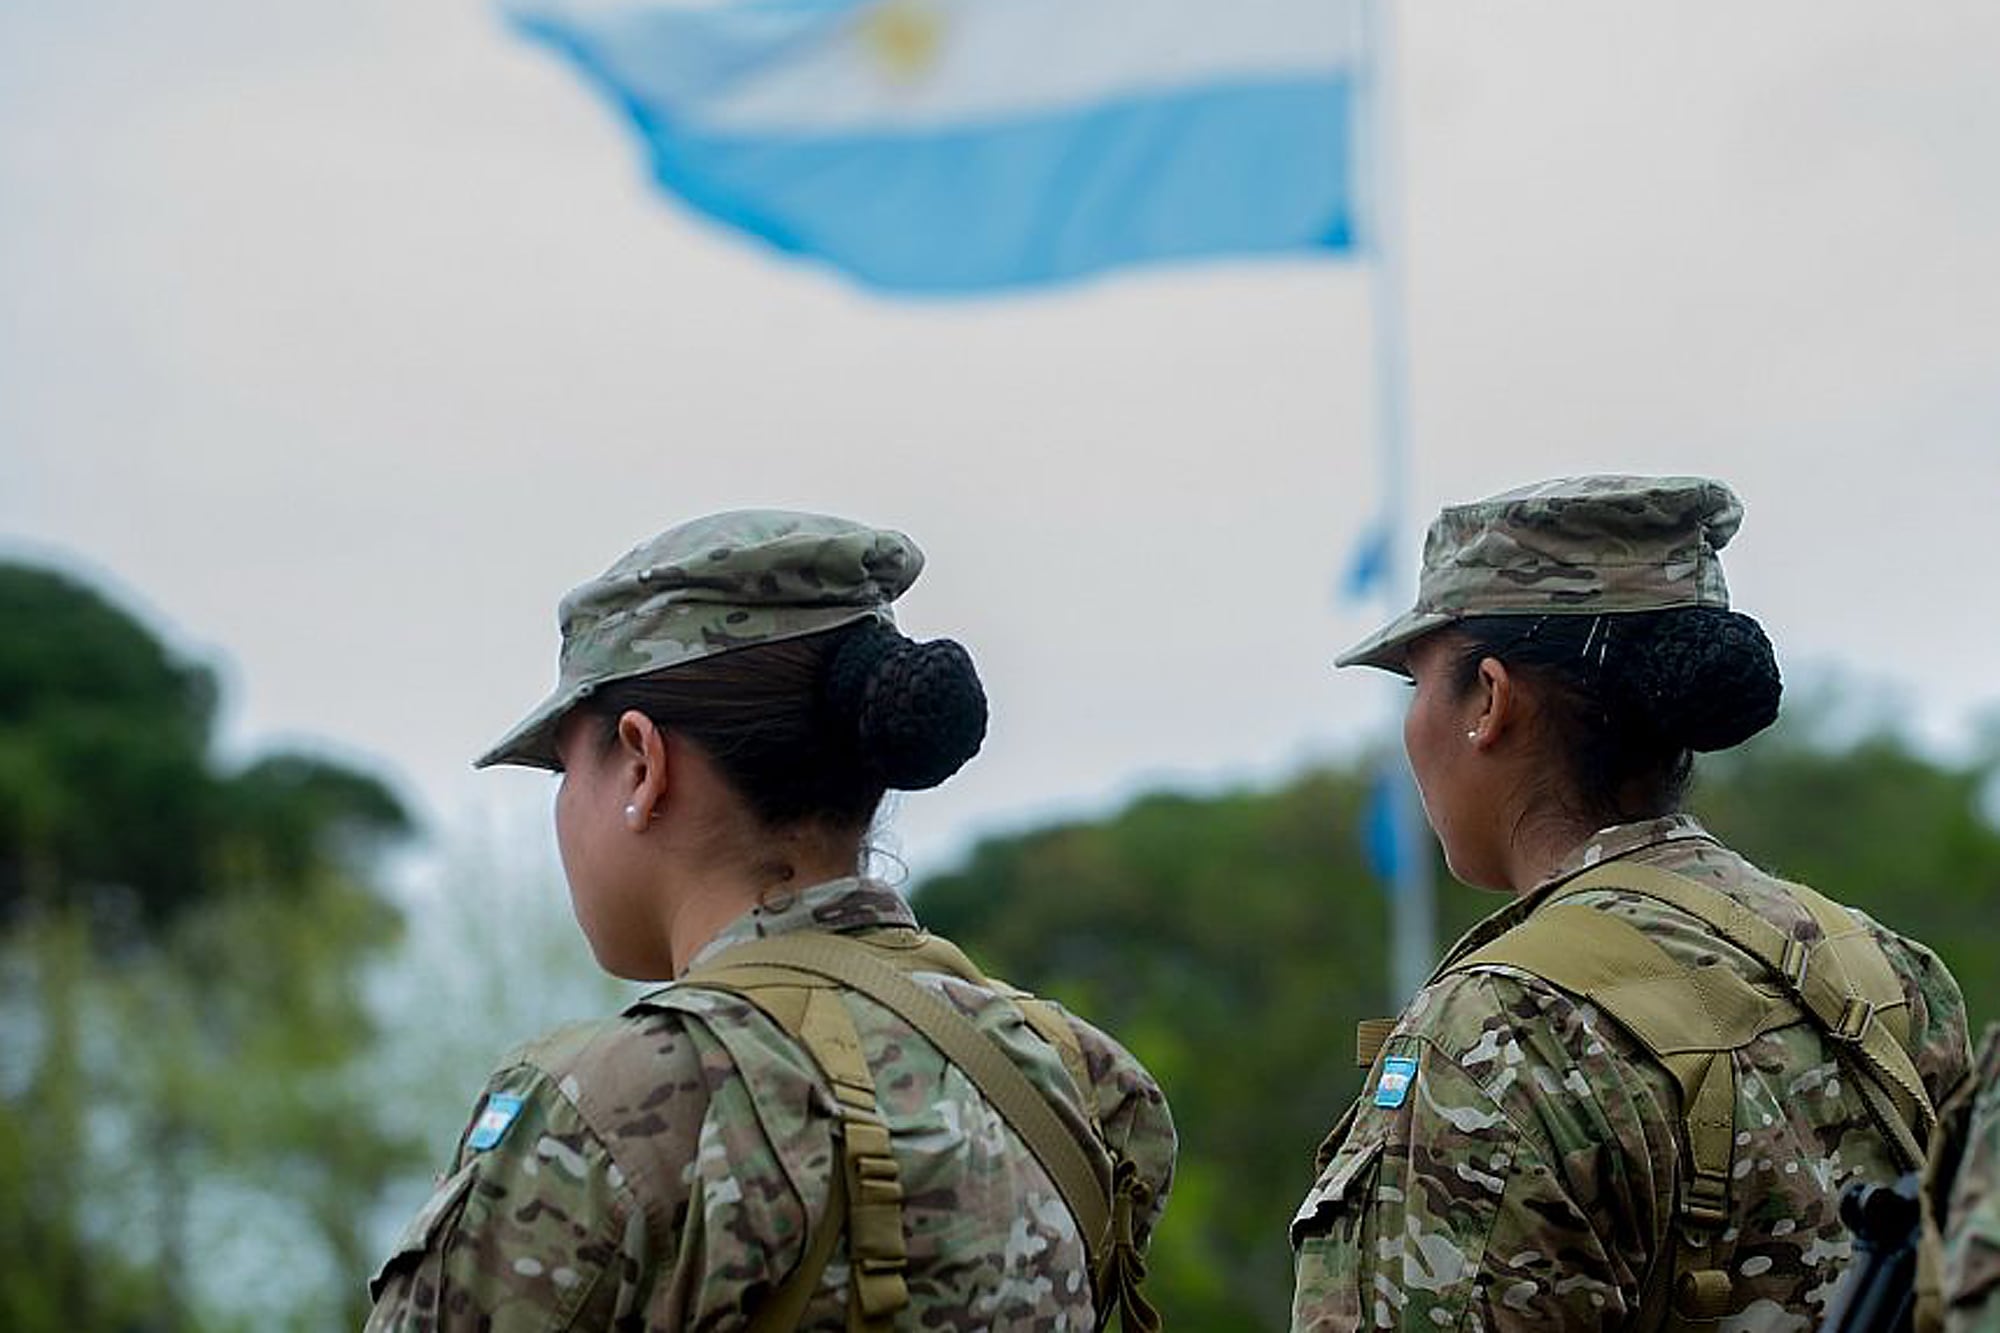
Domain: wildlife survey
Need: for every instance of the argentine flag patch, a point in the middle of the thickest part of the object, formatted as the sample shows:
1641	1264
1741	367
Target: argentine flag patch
1398	1073
495	1118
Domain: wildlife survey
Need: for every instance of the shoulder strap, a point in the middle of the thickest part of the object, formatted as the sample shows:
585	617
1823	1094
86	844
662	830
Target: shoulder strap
1097	1185
1843	980
867	1191
1691	1019
911	949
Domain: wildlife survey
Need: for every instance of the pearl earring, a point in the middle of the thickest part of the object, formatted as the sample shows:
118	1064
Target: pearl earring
1472	735
632	816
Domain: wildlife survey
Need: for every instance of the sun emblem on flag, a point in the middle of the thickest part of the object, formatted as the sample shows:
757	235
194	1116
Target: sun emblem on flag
903	36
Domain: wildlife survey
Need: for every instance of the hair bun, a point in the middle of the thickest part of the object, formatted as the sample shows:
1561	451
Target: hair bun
1702	677
917	709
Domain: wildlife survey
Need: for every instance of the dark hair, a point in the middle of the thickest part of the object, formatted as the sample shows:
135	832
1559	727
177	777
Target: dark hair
816	729
1633	695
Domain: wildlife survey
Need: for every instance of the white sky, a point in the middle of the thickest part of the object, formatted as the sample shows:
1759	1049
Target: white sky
345	338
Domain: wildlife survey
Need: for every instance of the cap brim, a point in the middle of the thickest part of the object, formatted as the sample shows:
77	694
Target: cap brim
532	742
1388	647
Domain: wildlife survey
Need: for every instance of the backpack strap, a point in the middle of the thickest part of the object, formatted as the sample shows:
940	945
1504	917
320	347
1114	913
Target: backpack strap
867	1191
1692	1019
916	950
1101	1189
1843	980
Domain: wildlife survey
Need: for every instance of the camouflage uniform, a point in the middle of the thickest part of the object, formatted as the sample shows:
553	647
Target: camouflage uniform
1971	1260
1524	1176
1512	1160
662	1168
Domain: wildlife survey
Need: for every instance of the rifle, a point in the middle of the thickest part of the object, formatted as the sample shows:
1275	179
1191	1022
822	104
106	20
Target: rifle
1878	1290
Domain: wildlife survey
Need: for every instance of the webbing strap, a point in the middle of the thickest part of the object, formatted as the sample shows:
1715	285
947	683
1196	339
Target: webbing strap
1688	1017
867	1189
1079	1179
913	950
1370	1036
1842	980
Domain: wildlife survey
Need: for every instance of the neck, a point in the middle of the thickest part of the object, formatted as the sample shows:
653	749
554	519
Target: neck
701	913
713	900
1538	847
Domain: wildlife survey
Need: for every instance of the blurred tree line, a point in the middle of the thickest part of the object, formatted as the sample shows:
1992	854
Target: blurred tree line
185	948
1232	941
179	1020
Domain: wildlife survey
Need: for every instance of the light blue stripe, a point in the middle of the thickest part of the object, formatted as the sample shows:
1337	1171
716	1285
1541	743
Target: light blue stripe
1257	167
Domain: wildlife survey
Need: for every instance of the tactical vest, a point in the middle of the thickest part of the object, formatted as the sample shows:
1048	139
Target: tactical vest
1693	1019
796	980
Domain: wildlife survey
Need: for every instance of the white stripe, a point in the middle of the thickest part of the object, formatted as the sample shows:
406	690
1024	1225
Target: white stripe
900	65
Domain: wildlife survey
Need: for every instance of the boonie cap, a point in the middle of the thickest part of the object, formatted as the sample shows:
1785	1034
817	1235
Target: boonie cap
1575	546
708	586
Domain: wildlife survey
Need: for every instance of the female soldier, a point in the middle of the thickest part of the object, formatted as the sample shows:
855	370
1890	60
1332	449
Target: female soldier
733	702
1629	1098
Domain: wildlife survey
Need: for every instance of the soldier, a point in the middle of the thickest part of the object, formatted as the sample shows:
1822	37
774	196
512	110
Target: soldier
1631	1096
1970	1267
831	1120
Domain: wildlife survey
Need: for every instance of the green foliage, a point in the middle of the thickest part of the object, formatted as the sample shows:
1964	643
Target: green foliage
1233	941
1230	942
96	717
1880	826
178	956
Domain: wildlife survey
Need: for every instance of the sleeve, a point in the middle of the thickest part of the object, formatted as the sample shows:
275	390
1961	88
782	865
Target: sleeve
1492	1177
524	1233
1971	1258
1940	1043
1133	1112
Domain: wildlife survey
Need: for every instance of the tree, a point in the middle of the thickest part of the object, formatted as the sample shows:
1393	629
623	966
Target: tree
179	946
1233	941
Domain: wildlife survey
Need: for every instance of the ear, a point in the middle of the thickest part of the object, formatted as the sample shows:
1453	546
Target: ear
1499	702
642	756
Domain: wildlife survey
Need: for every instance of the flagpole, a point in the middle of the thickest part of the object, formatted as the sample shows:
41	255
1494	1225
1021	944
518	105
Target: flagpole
1413	941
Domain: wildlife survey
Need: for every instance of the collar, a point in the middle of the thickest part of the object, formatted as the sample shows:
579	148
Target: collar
1620	840
837	905
1607	844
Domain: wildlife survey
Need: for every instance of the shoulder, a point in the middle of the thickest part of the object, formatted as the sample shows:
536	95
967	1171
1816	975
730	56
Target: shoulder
1937	1043
1116	1075
1499	1138
682	1071
529	1217
1940	1030
1132	1111
1514	1035
1970	1260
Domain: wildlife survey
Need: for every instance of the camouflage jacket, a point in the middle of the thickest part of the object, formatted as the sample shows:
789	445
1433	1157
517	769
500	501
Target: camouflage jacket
1971	1260
659	1170
1510	1163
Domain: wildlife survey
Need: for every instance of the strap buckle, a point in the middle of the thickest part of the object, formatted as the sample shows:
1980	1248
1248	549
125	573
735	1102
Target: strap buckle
1705	1203
1793	962
1855	1019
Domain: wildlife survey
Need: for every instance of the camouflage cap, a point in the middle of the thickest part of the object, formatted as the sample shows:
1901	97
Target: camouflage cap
722	582
1574	546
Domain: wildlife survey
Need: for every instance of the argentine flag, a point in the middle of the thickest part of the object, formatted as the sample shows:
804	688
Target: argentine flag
968	145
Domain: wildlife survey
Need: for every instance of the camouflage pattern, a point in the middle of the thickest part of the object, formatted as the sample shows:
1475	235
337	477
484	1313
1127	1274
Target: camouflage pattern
666	1164
1579	545
1525	1176
1971	1260
721	582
